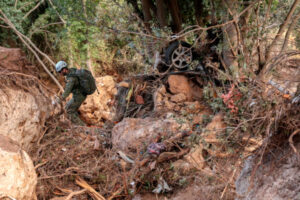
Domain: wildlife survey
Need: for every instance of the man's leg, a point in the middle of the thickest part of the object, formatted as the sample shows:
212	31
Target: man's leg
73	106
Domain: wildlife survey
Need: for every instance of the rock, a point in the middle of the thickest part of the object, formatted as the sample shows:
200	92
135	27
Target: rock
23	114
193	160
17	174
215	127
158	98
178	98
213	132
180	84
97	107
197	92
199	118
168	104
182	166
193	107
195	157
24	106
277	178
195	192
132	133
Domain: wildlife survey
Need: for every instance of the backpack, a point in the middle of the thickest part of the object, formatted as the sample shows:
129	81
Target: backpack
86	81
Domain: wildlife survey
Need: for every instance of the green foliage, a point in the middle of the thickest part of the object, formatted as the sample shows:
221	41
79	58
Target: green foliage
100	30
16	13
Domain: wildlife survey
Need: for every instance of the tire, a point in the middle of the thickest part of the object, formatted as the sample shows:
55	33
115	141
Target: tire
172	51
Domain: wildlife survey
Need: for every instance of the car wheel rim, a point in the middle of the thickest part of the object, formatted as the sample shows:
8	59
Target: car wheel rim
181	57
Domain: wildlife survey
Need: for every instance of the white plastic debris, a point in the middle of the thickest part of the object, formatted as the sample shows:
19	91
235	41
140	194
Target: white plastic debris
162	187
124	157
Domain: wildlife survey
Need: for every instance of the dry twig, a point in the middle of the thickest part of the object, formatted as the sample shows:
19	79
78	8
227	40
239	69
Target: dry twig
292	143
90	190
75	193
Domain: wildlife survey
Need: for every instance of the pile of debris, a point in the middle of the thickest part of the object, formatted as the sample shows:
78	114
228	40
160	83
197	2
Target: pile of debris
163	134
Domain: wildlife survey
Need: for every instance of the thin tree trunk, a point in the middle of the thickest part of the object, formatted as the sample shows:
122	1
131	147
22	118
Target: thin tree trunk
173	5
199	12
289	31
88	60
147	14
281	29
244	29
231	39
161	13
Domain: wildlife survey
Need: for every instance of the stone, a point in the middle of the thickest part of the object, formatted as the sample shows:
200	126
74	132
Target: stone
271	181
132	133
180	84
215	127
178	98
97	107
158	98
168	104
24	106
17	174
23	114
195	157
199	118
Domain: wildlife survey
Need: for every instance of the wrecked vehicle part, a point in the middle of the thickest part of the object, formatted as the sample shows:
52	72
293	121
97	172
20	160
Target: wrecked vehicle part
179	55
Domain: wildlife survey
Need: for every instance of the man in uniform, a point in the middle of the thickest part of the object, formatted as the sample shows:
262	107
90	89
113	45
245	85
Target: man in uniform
72	86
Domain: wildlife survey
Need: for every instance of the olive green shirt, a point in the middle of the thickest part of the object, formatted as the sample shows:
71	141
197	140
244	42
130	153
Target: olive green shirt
72	83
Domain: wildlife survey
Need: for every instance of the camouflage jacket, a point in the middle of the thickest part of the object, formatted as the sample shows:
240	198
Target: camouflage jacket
72	84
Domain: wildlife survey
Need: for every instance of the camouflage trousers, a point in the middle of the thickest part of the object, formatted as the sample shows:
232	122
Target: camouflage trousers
72	108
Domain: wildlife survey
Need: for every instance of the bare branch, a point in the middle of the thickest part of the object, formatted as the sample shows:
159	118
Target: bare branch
292	143
75	193
54	23
21	37
4	26
35	7
289	31
16	3
281	29
50	1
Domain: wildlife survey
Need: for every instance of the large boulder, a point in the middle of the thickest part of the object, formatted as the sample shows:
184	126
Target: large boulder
131	133
276	178
22	115
17	174
98	108
24	103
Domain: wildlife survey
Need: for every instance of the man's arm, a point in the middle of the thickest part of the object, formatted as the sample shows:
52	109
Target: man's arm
69	87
